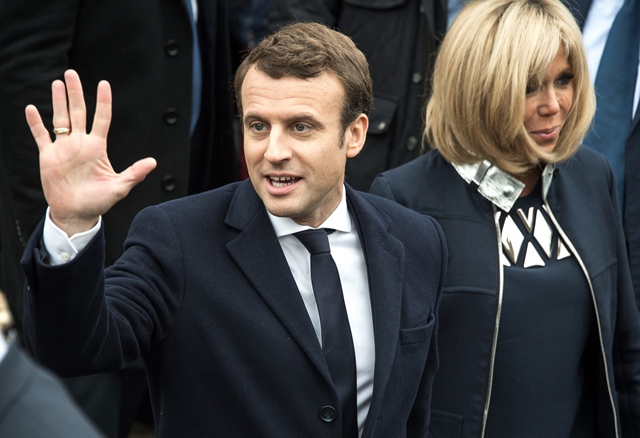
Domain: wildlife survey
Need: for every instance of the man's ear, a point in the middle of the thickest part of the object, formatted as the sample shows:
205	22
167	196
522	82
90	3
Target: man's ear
355	135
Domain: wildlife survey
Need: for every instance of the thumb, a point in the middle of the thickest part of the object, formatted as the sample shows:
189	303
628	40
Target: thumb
133	175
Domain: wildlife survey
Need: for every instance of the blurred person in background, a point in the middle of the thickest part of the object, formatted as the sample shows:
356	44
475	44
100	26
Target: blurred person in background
33	402
169	64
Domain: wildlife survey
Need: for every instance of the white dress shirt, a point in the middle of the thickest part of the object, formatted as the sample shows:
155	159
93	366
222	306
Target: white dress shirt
347	253
61	248
596	29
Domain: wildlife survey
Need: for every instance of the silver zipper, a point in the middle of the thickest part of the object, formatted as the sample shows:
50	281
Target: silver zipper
595	305
494	343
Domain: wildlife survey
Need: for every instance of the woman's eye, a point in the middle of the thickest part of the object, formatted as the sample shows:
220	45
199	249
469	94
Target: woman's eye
531	87
564	79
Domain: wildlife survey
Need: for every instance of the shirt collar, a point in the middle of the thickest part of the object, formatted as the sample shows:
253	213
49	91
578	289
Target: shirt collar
339	220
498	186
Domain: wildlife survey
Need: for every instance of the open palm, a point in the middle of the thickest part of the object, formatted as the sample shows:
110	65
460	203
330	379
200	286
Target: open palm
78	181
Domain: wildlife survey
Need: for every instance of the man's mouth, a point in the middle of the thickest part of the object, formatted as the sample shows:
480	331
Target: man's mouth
283	181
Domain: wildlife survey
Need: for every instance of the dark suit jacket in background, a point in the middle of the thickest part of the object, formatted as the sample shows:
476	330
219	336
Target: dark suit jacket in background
631	213
144	49
399	39
204	293
33	404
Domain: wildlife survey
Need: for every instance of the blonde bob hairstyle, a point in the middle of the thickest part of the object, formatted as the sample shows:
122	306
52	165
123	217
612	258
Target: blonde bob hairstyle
493	50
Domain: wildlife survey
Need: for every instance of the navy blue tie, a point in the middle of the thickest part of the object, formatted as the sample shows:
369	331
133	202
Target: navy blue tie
196	95
337	342
615	87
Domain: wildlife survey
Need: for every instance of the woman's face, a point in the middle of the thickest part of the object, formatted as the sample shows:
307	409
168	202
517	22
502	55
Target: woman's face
547	105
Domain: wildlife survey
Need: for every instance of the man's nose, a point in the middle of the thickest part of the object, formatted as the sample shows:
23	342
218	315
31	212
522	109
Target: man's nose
278	148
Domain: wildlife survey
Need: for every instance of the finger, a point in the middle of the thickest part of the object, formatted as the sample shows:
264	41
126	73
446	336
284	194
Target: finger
77	109
133	175
38	130
102	118
59	100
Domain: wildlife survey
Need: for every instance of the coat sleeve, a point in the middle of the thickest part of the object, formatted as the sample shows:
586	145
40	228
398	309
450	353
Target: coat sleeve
83	319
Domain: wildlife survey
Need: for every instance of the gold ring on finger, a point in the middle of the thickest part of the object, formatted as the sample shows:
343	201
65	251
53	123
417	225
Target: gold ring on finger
58	131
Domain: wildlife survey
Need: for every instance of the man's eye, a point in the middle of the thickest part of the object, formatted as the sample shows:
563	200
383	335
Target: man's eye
258	127
300	128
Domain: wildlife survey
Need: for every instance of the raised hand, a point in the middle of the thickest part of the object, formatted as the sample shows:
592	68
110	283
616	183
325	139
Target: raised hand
77	178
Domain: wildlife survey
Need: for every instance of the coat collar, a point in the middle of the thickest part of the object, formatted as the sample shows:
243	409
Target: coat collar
257	245
498	186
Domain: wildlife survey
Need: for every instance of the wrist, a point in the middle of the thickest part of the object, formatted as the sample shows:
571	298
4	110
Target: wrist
73	225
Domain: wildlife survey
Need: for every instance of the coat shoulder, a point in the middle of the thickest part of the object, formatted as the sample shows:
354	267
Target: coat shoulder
589	160
404	222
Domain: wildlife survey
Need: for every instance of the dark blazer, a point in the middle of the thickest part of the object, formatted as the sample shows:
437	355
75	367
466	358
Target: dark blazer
144	49
33	404
204	294
631	213
399	39
582	197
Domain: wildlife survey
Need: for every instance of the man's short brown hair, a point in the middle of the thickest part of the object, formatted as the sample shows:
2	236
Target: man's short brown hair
306	50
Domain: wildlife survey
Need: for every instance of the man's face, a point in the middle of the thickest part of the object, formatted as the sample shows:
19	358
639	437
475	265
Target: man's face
293	146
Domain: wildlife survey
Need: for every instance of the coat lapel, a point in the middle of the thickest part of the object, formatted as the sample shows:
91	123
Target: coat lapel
384	255
258	254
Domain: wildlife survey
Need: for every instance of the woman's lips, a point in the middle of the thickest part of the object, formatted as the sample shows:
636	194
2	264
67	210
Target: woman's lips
545	134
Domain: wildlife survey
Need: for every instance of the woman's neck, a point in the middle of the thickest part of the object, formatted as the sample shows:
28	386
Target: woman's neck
530	179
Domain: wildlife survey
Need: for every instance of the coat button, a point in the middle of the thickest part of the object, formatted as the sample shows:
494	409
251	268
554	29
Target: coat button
416	77
172	48
171	116
328	414
412	143
168	183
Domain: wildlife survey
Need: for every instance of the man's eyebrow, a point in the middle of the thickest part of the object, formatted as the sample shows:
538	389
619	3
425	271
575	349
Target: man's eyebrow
300	117
251	116
304	117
